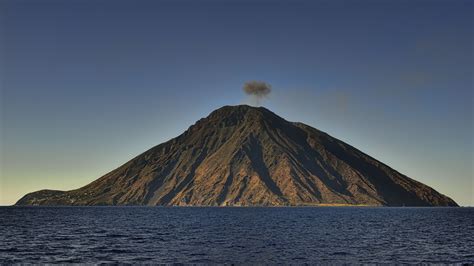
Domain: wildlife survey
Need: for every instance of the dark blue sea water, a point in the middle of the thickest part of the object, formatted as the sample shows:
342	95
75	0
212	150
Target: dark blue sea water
236	235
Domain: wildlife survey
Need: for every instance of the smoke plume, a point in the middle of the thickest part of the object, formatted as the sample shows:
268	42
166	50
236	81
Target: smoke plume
257	90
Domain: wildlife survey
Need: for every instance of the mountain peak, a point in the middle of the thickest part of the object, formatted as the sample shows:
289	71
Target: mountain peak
240	111
238	116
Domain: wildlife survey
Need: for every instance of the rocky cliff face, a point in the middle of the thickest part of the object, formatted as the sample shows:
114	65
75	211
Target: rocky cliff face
247	156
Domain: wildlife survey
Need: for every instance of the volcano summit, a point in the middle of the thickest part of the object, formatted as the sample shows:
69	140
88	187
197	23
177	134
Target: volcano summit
248	156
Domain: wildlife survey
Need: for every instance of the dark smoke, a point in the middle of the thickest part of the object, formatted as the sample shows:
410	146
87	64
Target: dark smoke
257	90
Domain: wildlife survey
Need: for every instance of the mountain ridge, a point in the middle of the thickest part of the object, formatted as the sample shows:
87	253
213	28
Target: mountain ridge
249	156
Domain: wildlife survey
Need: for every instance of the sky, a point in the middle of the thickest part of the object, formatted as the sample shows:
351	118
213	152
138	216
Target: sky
87	85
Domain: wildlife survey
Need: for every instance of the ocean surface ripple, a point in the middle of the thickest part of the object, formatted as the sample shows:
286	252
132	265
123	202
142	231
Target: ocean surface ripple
236	235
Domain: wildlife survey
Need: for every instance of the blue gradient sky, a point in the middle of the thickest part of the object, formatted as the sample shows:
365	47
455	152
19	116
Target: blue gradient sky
86	85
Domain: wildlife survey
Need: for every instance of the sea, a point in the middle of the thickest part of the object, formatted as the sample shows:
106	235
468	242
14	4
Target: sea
189	235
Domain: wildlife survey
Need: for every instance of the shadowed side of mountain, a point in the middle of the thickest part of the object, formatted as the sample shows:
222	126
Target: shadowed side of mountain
248	156
45	197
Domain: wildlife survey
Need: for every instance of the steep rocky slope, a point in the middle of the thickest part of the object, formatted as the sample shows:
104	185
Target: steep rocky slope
248	156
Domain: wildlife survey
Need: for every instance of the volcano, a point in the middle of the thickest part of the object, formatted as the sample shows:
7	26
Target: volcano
249	156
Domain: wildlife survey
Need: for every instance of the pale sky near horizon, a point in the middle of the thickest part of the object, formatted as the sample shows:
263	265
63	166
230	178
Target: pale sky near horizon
87	85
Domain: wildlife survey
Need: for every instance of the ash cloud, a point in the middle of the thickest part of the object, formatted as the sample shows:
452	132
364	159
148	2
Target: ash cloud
257	90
